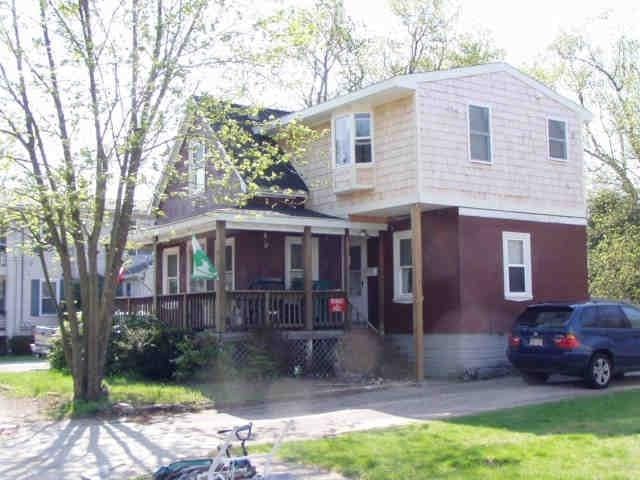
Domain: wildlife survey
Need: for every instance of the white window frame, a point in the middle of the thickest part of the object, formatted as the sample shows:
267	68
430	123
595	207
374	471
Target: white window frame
165	260
288	241
475	160
352	116
56	297
203	244
566	139
398	295
525	238
229	242
194	187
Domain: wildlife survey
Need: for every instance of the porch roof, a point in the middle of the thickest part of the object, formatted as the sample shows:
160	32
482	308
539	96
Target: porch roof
268	219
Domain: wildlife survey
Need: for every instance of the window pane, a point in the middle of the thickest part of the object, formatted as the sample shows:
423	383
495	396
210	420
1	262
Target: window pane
557	129
405	252
516	252
480	147
363	151
610	316
296	257
633	315
228	258
406	282
557	149
228	280
589	317
172	283
48	305
479	119
363	125
516	279
172	265
355	255
343	140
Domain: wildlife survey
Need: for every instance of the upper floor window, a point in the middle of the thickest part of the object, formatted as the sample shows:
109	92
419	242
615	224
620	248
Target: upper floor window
557	135
197	167
516	251
480	134
353	139
402	267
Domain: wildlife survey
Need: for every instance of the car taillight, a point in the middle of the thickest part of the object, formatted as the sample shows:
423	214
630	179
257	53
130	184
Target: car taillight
566	342
514	341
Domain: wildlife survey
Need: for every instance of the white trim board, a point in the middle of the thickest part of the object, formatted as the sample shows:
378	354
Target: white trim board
524	216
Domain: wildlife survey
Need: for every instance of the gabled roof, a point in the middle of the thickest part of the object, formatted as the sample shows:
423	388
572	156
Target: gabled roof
398	86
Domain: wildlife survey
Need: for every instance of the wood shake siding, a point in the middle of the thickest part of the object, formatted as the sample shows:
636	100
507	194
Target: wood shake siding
394	169
522	177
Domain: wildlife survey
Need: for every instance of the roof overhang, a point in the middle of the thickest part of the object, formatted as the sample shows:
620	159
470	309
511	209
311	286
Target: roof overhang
397	87
253	220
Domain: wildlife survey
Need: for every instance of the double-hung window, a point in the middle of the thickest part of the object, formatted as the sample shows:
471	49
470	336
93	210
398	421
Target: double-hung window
229	263
353	139
557	135
199	285
480	149
294	262
48	298
402	267
197	167
170	266
516	251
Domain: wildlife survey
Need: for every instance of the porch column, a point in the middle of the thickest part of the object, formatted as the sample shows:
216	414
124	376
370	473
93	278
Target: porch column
346	255
308	278
418	320
157	284
221	288
381	271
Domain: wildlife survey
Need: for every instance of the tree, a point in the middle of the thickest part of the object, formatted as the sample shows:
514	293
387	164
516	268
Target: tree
86	89
431	40
606	80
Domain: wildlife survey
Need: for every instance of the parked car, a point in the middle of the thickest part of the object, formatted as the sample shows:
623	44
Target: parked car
42	340
597	341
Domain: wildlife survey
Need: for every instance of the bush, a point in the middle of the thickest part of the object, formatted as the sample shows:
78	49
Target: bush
20	344
57	360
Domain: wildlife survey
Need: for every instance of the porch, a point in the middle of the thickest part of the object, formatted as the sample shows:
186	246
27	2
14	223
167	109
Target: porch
284	268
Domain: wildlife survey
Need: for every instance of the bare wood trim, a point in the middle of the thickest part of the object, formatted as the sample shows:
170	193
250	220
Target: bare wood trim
418	319
368	219
308	278
221	288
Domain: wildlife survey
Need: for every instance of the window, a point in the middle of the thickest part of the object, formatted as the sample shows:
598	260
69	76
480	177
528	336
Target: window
170	267
294	262
196	285
610	316
633	315
353	139
197	164
402	267
516	251
3	292
229	264
545	316
557	134
479	134
48	299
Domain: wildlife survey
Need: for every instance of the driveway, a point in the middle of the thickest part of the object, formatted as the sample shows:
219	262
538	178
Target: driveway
23	365
76	449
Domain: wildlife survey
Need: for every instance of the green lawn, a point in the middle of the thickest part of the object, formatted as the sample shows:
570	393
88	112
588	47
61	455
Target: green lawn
57	387
587	438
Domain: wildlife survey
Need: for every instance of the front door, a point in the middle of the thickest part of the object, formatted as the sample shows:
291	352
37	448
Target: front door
358	279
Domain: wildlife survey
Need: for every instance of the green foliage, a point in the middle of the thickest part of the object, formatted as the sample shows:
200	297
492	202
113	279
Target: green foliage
20	344
195	353
57	360
614	246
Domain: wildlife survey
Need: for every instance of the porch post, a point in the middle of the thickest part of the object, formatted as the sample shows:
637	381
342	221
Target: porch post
221	288
346	255
418	320
157	284
381	271
308	278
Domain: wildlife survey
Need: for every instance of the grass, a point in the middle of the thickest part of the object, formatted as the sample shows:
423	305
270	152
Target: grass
57	388
587	438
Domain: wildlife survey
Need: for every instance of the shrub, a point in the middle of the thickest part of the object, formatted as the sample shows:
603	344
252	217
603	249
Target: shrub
57	360
21	344
196	352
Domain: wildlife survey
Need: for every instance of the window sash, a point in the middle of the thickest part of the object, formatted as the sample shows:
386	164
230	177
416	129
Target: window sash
196	286
48	303
197	176
559	142
349	146
517	265
482	135
403	267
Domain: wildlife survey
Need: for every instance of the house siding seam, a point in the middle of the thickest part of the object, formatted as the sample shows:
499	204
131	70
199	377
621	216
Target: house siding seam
521	177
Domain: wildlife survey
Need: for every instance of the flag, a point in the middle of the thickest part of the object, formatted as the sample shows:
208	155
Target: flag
203	268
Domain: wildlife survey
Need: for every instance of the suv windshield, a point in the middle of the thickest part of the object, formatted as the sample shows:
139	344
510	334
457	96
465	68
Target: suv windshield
547	316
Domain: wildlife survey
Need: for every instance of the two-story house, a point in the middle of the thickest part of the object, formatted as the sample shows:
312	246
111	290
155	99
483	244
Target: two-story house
443	202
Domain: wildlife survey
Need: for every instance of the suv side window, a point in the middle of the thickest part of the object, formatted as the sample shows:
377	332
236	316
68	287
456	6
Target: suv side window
589	317
611	316
633	315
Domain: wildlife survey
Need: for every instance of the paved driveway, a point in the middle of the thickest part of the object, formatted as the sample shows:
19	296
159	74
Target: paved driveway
23	365
120	449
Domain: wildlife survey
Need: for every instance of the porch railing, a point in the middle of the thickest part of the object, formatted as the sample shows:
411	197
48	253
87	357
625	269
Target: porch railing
246	309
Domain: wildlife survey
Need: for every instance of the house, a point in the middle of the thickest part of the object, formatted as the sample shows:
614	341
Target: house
25	300
443	201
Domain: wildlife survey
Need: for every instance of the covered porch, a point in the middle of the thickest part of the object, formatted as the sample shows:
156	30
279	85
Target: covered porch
284	268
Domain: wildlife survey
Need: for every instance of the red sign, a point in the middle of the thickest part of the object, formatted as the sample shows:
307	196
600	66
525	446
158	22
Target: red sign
337	305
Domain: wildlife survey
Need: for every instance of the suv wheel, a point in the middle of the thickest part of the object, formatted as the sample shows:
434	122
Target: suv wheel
599	371
535	378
